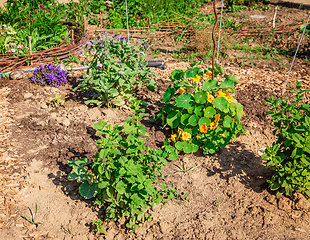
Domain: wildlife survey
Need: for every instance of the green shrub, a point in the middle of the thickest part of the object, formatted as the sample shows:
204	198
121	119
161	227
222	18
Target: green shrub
123	172
289	156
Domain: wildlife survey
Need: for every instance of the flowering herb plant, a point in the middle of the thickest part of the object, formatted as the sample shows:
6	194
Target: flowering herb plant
289	156
200	111
117	70
49	74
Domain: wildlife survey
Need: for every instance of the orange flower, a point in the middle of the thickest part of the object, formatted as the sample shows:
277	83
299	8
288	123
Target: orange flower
209	74
173	137
244	114
180	132
203	128
181	90
212	126
210	98
217	117
223	135
197	78
186	136
198	137
228	97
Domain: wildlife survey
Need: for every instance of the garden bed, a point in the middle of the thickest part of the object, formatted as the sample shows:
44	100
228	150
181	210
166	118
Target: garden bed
227	191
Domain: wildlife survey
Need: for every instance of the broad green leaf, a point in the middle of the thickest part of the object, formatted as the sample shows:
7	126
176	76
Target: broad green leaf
274	186
227	121
174	119
199	110
184	101
184	119
177	75
99	125
179	145
78	163
193	120
103	184
210	85
220	69
209	112
188	148
221	103
120	187
87	191
233	78
137	200
128	128
173	156
204	120
168	94
229	84
201	97
191	73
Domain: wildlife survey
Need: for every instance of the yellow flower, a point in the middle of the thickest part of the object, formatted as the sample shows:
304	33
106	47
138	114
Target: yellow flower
209	74
197	78
186	136
221	94
210	98
173	137
212	126
217	117
181	90
203	128
244	114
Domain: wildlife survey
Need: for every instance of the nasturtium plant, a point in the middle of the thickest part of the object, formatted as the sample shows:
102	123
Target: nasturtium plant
123	173
201	111
289	156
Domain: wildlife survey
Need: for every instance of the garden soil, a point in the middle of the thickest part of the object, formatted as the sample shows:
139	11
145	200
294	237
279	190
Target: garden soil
227	191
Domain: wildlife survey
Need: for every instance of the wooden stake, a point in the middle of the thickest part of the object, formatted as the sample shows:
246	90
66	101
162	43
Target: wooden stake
85	23
213	38
72	36
100	18
30	47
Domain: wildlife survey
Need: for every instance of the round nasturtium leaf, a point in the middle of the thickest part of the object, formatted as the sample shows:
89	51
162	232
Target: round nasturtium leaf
227	121
229	84
193	120
221	104
179	145
195	147
188	148
204	120
210	85
201	97
184	101
184	119
173	156
198	110
87	191
174	118
210	112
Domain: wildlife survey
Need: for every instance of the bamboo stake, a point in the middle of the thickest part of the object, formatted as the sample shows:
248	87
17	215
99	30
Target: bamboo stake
100	18
213	38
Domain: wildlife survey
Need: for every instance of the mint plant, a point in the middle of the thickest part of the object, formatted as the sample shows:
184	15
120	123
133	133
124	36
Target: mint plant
123	172
289	156
117	70
200	114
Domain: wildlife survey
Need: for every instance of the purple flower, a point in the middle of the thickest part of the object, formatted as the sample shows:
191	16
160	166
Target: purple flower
49	74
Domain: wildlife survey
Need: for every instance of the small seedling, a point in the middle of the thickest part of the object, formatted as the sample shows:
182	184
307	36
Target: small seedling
67	229
54	102
32	220
243	162
218	203
98	227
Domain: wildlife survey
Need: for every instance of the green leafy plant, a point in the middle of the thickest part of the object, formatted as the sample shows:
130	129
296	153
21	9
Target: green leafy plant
116	71
32	219
123	172
289	156
98	227
200	114
54	102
